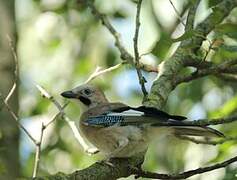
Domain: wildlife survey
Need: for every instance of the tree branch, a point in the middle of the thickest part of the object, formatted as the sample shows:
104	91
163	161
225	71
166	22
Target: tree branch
169	68
177	13
99	72
159	93
11	92
191	15
122	167
207	141
72	124
185	174
124	54
216	121
15	117
217	70
38	152
136	52
127	167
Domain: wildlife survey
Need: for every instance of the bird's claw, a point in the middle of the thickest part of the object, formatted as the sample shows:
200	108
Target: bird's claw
107	162
92	151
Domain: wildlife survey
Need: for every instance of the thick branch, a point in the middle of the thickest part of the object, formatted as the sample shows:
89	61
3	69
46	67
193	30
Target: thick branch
191	16
125	168
101	170
168	69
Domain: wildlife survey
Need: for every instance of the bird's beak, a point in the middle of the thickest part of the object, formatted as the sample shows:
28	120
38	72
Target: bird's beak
69	94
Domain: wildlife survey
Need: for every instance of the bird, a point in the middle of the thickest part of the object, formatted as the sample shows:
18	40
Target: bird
121	131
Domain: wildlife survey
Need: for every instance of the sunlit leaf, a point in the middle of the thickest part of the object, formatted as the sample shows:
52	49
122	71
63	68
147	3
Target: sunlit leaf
41	107
228	108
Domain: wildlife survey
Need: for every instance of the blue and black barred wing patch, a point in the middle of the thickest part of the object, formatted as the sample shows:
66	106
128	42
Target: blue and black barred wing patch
133	116
111	120
104	121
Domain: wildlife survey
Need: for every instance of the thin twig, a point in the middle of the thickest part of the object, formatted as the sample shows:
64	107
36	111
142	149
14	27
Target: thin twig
225	67
136	52
16	118
207	141
11	92
124	54
38	151
10	42
177	13
43	127
45	94
209	50
216	121
71	123
99	72
185	174
56	116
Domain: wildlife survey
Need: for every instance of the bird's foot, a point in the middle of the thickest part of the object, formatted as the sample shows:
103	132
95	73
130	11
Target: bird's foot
92	151
107	162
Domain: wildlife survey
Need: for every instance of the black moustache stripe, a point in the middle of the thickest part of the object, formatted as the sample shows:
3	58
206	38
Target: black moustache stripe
85	100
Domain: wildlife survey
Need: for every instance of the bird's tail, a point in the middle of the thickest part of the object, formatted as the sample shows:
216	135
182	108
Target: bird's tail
196	131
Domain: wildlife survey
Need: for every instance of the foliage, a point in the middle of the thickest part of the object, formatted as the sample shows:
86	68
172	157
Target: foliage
61	44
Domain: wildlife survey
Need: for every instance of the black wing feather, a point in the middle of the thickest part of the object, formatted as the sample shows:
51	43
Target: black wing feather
153	112
149	111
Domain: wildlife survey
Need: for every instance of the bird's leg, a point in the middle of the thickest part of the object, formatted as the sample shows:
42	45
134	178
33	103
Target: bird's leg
121	144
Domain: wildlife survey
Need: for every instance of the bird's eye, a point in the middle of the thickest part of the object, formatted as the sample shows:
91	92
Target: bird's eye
87	91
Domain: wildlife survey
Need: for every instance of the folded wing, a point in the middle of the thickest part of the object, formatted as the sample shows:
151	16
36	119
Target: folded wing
125	116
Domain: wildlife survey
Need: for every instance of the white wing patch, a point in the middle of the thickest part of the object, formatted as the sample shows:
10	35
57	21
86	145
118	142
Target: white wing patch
126	113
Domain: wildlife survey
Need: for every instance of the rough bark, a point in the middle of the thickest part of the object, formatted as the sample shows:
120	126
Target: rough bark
9	132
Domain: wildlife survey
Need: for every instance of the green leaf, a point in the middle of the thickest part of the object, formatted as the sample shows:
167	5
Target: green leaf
3	169
119	14
228	29
231	173
186	35
162	47
224	52
230	49
212	3
228	108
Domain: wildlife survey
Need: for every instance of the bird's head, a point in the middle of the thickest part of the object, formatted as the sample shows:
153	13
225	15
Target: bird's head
89	96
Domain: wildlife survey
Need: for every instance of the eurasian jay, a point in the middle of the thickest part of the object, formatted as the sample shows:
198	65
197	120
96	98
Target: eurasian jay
118	130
